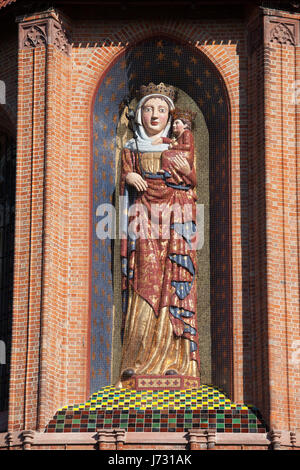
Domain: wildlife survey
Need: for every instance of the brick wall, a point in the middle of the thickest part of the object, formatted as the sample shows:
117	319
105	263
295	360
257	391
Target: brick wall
273	247
255	324
55	92
282	269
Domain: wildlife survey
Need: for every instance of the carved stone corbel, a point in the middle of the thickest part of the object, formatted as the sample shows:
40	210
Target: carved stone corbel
106	439
9	440
211	439
27	437
61	38
35	36
44	29
293	438
281	34
275	436
120	438
283	31
197	439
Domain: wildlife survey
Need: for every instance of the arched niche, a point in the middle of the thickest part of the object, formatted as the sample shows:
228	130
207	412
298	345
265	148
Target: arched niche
200	86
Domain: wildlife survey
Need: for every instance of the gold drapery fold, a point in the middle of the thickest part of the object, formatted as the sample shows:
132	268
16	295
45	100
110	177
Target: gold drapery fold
151	161
150	346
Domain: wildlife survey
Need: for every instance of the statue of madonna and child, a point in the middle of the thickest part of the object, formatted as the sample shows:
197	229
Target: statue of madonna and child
160	334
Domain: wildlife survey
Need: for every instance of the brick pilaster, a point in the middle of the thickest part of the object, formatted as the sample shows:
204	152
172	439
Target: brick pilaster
256	383
274	235
38	369
281	37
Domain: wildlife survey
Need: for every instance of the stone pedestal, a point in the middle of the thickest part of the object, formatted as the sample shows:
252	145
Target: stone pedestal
161	382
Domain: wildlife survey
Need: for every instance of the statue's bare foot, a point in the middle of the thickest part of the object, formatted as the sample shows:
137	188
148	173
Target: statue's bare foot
171	372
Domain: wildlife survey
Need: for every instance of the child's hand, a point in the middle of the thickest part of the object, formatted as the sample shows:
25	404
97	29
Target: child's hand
157	141
173	144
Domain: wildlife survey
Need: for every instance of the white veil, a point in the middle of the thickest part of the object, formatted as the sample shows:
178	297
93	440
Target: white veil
143	140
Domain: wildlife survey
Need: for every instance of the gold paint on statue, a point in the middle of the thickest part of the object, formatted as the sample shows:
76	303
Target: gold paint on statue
150	345
151	161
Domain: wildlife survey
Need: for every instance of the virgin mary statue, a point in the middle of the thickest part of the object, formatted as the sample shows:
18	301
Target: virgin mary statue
158	270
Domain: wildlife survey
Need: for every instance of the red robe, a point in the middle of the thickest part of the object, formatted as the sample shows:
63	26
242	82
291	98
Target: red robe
184	144
163	270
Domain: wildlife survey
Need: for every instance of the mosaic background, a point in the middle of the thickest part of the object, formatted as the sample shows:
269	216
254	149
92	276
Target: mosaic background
156	60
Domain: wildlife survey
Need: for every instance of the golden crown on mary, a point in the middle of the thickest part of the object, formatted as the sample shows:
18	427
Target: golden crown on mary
160	89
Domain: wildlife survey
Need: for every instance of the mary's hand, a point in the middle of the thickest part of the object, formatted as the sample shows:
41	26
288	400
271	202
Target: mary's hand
180	163
134	179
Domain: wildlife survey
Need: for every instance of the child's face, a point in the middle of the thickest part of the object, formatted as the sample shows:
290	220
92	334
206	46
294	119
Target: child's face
178	127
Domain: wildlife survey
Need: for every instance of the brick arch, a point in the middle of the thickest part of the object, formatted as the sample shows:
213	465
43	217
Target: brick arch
100	64
100	61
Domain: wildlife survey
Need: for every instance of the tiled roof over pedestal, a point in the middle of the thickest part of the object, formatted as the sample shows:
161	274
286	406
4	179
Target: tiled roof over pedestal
158	411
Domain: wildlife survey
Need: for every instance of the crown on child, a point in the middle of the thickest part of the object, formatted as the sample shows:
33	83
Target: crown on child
160	89
187	115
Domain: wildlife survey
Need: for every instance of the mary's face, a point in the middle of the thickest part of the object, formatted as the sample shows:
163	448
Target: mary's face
155	115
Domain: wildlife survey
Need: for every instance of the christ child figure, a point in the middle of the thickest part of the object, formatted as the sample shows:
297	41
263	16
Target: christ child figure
181	146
